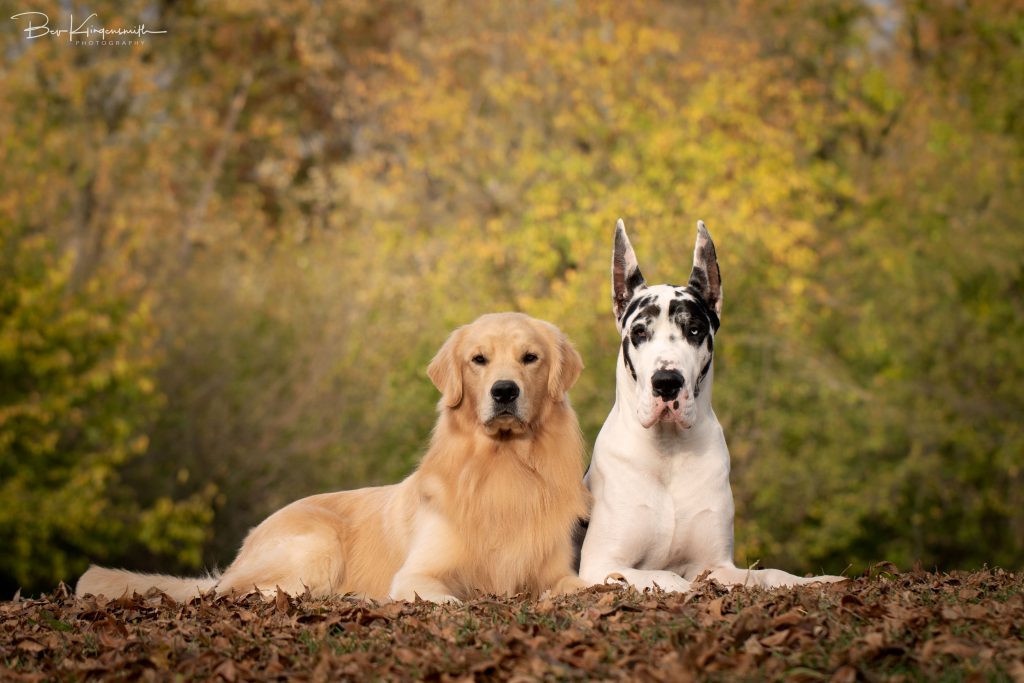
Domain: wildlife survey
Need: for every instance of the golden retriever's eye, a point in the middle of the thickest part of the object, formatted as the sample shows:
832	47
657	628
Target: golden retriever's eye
529	358
479	359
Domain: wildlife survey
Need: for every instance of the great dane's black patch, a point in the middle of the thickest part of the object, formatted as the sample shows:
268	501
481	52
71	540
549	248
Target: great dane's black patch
649	312
638	335
641	322
635	304
626	359
700	378
708	311
692	318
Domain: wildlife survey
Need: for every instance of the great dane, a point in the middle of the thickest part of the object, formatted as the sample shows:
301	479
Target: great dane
663	508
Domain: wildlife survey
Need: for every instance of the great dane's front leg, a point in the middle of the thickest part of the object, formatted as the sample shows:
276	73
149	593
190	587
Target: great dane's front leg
617	542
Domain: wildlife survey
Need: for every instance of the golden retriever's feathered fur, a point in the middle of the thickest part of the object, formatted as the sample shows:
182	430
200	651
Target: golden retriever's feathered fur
490	509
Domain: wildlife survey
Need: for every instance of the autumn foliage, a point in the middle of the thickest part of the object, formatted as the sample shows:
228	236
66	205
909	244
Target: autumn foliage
228	253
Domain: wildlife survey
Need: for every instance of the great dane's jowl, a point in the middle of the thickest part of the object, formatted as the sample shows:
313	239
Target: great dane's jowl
663	509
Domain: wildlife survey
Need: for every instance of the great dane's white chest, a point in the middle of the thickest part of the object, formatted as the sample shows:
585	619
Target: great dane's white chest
664	495
697	484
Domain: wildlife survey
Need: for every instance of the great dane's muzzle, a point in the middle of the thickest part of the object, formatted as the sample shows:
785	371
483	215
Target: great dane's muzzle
666	384
668	400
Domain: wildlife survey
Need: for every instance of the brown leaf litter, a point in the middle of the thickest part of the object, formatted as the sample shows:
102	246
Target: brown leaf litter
891	626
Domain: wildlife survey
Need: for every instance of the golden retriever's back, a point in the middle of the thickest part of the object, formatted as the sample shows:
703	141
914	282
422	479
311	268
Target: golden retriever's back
355	540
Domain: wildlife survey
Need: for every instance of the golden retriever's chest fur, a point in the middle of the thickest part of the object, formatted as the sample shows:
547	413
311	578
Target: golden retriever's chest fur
511	504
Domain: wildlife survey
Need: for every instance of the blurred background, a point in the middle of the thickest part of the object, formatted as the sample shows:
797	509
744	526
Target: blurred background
228	253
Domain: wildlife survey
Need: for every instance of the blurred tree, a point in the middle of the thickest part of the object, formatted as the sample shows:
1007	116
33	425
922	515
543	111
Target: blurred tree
906	396
76	397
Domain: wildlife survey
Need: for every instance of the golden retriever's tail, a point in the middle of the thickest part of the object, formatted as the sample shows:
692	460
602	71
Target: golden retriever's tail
113	583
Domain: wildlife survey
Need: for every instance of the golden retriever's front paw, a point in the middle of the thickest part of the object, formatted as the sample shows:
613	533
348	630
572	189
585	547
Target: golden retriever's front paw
426	595
568	584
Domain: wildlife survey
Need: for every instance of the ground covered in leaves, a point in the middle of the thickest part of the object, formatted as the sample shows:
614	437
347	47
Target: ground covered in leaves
890	626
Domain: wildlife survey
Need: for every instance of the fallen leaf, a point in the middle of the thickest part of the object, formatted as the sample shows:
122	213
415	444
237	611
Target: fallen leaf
226	670
844	674
949	645
282	602
29	645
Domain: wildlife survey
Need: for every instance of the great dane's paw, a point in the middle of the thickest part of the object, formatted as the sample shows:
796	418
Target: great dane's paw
638	579
670	582
810	581
825	578
677	585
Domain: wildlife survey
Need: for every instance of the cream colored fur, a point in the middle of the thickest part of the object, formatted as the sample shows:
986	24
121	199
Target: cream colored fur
490	509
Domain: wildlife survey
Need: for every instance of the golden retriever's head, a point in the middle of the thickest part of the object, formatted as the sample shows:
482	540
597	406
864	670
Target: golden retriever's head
505	370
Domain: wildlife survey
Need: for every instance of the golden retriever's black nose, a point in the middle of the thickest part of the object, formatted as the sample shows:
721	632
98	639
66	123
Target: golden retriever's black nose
504	391
666	384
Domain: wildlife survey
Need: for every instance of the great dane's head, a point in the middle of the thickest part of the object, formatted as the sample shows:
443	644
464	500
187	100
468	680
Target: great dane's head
667	331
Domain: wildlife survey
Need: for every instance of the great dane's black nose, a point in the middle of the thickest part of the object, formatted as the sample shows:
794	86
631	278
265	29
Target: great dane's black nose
504	391
666	384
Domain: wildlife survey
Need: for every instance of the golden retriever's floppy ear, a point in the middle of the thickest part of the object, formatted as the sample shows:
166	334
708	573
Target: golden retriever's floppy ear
445	370
566	365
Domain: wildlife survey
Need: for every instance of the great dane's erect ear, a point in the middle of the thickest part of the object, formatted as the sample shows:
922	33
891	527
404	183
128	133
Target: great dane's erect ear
566	365
445	370
705	277
626	275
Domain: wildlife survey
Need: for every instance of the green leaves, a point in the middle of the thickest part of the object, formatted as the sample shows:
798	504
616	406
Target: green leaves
77	398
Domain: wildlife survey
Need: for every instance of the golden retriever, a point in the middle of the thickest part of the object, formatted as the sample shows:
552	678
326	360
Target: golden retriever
490	509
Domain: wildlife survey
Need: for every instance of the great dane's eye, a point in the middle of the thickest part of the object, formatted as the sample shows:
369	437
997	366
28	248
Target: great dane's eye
529	358
479	359
694	331
639	332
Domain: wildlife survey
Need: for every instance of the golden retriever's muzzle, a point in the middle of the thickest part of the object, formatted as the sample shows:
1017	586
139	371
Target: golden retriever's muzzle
505	407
